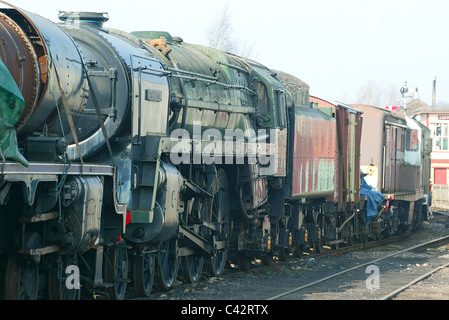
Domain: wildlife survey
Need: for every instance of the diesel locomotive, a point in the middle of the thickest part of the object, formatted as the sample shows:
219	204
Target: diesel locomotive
135	159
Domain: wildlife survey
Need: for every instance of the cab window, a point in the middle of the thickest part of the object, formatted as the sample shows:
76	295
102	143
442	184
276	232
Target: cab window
279	98
262	98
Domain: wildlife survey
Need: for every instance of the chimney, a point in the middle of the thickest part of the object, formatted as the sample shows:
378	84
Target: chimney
92	19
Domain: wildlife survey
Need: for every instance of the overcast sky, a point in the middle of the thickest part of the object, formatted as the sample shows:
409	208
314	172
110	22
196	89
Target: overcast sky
334	46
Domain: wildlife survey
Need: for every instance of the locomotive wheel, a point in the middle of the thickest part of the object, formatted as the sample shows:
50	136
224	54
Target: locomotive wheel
298	251
22	279
267	259
221	219
284	253
193	266
57	288
143	272
243	262
116	271
168	265
318	246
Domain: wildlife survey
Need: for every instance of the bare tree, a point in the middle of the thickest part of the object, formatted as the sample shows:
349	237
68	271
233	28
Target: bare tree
378	94
221	36
247	50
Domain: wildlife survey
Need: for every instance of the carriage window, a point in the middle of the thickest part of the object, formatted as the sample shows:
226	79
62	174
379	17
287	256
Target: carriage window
412	140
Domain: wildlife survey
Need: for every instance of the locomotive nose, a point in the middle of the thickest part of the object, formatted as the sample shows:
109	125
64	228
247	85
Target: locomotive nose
46	66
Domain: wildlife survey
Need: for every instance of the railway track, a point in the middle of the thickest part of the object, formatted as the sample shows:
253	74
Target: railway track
177	291
392	294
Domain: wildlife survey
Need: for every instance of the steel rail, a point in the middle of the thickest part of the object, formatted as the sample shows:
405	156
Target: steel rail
411	283
357	267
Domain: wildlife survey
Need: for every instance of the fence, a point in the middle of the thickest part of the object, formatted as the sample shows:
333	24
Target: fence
440	196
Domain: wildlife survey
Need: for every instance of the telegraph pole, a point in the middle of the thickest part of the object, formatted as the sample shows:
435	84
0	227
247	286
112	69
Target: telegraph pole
404	91
434	92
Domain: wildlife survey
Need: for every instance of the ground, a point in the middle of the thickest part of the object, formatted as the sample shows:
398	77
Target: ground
262	283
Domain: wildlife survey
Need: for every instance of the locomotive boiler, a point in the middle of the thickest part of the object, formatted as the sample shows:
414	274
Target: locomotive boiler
137	158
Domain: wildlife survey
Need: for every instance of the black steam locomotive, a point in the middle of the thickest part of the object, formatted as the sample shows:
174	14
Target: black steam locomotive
131	160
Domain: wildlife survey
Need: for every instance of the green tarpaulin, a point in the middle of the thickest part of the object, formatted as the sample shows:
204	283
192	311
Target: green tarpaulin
11	107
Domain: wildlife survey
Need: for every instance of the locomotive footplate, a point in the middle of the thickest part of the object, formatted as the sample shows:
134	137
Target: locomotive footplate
14	169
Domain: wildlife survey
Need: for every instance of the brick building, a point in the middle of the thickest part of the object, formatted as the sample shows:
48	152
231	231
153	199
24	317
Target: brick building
436	118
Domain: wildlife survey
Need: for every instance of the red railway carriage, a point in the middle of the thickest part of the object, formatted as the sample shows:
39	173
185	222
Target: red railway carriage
347	150
325	167
313	161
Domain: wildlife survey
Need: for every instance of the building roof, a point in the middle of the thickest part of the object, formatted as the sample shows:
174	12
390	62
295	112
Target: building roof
432	109
414	105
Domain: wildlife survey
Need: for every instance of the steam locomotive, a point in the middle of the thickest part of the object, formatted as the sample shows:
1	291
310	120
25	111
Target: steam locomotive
131	160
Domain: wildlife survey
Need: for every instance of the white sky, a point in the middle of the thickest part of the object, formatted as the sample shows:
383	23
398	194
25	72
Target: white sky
334	46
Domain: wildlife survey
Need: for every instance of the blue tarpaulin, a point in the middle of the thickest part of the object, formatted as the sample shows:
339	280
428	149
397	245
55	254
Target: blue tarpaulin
375	198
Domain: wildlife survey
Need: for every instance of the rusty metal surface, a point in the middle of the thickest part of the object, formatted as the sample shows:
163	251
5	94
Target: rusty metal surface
59	70
18	55
40	251
314	153
349	130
